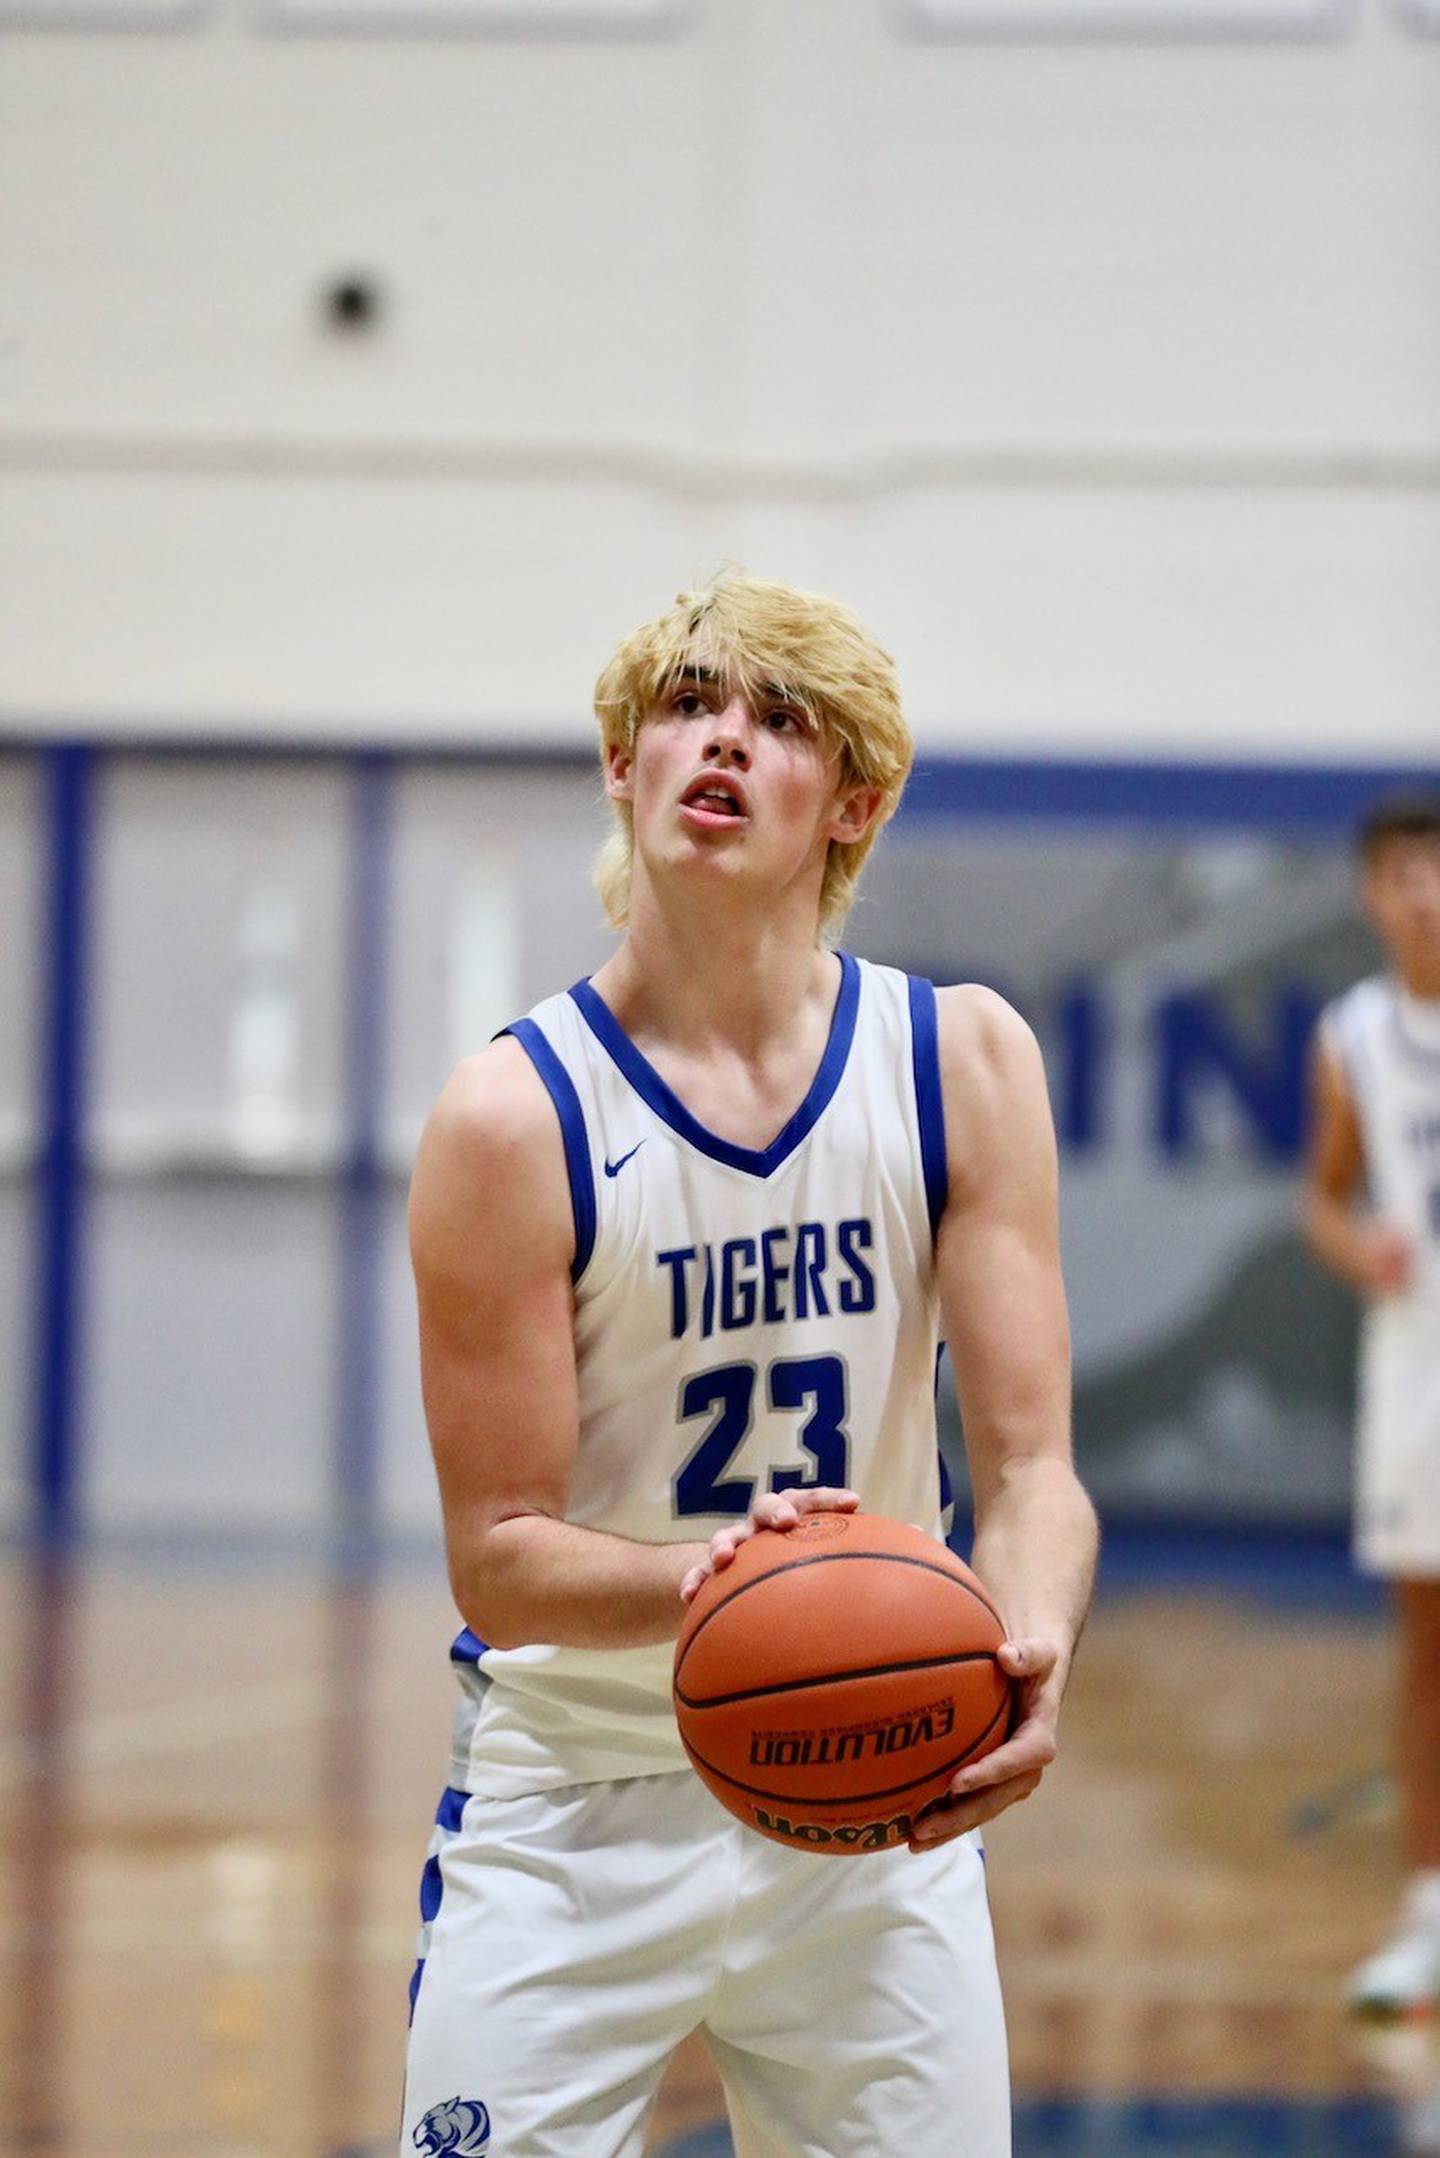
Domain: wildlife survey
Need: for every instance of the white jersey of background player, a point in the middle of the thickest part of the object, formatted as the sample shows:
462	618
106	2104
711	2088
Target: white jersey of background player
1377	1125
682	1241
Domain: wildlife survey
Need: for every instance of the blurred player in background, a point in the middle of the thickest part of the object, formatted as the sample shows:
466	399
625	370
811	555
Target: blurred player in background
682	1241
1376	1129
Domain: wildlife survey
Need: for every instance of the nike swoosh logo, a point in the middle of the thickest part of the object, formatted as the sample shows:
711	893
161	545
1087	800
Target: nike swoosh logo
613	1168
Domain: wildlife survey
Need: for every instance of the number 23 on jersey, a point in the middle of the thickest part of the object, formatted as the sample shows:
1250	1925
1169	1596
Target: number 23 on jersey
813	1386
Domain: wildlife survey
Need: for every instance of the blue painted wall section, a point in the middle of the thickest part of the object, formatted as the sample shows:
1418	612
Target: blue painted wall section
63	976
1118	793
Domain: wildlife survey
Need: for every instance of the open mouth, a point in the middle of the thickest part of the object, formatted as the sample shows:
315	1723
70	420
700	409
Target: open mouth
714	800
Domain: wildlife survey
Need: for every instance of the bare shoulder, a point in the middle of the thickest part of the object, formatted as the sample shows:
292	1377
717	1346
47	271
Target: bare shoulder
985	1045
492	1103
992	1076
490	1155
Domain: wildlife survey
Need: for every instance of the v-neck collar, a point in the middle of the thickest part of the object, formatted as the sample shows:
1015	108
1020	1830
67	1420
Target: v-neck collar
667	1105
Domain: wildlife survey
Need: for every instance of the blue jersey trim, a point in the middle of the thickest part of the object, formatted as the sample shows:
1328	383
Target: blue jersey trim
652	1089
448	1815
561	1089
467	1647
451	1807
929	1100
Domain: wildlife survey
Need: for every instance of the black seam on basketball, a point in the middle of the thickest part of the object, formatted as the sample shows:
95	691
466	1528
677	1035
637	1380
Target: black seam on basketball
836	1558
835	1678
845	1798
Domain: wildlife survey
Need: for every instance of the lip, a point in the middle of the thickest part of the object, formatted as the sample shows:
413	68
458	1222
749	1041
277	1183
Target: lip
701	819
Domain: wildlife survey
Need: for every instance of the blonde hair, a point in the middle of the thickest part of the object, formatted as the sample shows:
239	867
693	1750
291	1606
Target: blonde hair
806	646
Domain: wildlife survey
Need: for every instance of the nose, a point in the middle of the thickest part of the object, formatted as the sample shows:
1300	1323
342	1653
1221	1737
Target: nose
728	740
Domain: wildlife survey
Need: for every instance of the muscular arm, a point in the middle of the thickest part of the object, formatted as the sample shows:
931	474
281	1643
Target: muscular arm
492	1240
1003	1304
1370	1255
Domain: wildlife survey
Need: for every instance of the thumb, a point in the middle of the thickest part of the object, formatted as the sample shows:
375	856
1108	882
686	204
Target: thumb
1026	1659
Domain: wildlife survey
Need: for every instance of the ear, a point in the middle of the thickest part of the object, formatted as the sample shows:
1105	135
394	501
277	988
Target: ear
855	811
620	773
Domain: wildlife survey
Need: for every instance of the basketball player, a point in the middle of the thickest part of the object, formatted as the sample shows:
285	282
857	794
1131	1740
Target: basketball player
683	1238
1377	1125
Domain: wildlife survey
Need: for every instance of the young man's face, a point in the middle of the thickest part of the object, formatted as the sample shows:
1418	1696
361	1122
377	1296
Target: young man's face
1400	885
739	788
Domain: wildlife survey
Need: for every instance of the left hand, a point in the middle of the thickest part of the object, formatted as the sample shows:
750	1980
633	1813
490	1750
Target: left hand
772	1510
1039	1667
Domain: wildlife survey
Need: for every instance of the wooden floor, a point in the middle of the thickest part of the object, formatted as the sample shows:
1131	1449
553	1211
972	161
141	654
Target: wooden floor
216	1788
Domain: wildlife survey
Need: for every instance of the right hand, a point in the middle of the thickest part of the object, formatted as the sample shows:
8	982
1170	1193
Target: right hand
772	1510
1384	1258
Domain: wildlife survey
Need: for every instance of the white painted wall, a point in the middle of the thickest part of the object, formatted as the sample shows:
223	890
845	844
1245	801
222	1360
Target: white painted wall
1104	378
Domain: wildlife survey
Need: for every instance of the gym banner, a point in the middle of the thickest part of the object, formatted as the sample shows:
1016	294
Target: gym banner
1173	982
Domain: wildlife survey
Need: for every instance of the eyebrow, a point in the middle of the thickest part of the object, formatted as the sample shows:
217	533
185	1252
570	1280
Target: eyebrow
710	678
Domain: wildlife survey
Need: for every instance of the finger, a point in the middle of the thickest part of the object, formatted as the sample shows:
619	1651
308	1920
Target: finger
1027	1753
691	1585
1028	1659
824	1498
725	1542
773	1510
958	1816
782	1509
744	1530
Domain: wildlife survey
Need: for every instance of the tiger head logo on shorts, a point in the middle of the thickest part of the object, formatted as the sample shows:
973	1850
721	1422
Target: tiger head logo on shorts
458	2128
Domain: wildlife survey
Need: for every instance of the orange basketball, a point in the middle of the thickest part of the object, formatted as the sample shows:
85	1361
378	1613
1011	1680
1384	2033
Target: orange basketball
830	1682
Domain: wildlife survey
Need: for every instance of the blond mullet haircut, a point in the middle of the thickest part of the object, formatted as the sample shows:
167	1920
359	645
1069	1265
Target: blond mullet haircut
756	636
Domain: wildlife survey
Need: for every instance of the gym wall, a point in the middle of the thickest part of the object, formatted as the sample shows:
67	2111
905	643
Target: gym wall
365	373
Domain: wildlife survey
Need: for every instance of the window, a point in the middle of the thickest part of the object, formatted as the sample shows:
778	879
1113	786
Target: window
1135	18
540	17
101	14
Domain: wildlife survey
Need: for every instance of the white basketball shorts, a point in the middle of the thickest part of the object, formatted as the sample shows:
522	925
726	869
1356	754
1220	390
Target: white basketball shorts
1397	1454
575	1937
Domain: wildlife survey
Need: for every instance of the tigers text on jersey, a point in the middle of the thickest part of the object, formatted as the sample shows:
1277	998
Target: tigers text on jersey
745	1320
1388	1045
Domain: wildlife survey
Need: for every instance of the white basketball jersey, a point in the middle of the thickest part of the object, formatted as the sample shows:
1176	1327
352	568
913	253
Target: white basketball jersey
745	1320
1388	1045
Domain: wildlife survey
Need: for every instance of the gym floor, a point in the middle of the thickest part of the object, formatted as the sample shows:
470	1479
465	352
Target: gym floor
217	1779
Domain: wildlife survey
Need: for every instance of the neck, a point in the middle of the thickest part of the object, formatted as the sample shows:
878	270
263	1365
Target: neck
1421	978
703	976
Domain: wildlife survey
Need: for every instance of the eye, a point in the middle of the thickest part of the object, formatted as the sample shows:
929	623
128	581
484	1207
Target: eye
781	719
687	702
